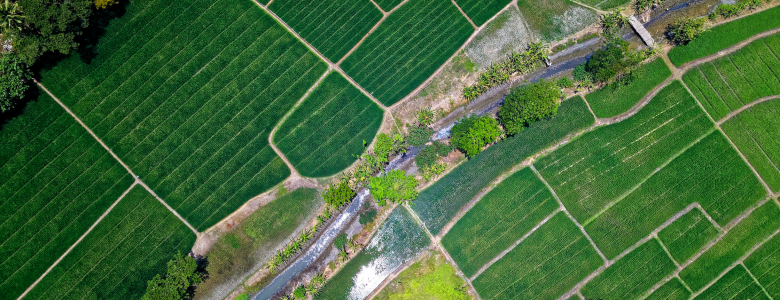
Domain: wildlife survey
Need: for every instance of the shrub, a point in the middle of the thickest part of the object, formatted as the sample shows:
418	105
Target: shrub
429	155
395	187
340	241
418	136
367	216
425	117
611	25
177	282
338	195
728	10
473	133
529	103
386	145
565	83
13	77
300	292
684	31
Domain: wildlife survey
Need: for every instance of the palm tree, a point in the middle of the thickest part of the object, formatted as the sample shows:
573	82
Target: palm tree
10	16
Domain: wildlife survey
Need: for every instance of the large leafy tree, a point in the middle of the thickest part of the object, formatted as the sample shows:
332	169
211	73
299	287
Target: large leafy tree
51	26
529	103
14	75
175	284
395	187
473	133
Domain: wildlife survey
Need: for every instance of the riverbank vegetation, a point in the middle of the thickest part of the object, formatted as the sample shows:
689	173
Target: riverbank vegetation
517	63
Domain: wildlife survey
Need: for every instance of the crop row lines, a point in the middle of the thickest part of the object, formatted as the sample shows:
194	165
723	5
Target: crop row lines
384	17
372	2
756	279
464	15
77	241
115	156
666	250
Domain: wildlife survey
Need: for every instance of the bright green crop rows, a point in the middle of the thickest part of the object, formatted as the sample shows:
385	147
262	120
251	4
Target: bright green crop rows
325	134
633	275
749	232
597	168
127	248
736	284
498	220
710	173
687	235
613	100
407	48
730	82
544	266
480	11
765	265
331	26
672	290
437	204
55	182
724	36
186	93
754	131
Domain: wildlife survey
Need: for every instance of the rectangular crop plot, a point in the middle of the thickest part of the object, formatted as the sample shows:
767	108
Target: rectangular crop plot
633	275
187	98
408	48
480	11
498	220
687	235
327	131
56	180
736	284
762	223
331	26
672	290
724	36
127	248
616	98
544	266
755	132
710	173
554	20
437	204
596	169
765	265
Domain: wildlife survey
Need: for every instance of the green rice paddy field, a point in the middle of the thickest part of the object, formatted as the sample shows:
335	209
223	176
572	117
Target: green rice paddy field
615	99
480	11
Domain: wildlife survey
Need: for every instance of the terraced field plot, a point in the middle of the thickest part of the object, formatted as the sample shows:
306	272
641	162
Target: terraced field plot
325	134
723	36
407	48
615	99
331	26
733	81
186	93
754	132
437	204
544	266
672	290
710	173
556	19
633	275
687	235
765	265
596	169
480	11
125	250
736	284
498	220
55	182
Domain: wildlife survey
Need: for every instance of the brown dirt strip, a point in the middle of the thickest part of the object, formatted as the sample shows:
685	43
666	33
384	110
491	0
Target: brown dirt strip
386	14
379	8
465	15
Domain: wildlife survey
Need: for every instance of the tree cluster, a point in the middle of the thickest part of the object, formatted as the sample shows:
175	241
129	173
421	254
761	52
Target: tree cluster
529	103
177	283
395	187
516	63
473	133
337	195
684	31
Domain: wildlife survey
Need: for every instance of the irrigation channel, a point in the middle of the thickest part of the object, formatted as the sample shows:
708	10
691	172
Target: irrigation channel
396	242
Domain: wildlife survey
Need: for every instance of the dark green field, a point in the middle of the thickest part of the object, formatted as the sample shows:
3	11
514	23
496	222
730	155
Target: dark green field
480	11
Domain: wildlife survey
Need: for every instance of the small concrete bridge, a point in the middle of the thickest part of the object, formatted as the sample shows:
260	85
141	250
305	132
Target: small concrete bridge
641	31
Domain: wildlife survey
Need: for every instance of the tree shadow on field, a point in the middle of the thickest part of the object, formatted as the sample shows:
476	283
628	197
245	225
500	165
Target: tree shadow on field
30	95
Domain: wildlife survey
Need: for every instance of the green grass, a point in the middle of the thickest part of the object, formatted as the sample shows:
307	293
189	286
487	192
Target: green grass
433	278
407	48
544	266
399	240
633	275
615	99
498	220
331	26
437	204
672	290
736	284
55	182
687	235
605	4
388	5
186	93
754	132
597	168
749	232
710	173
327	132
724	36
241	251
765	265
480	11
556	19
126	249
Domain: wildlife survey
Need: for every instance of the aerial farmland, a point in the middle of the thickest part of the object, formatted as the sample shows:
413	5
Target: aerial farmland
390	149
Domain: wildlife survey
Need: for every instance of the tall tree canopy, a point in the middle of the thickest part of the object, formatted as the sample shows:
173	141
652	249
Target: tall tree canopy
51	26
